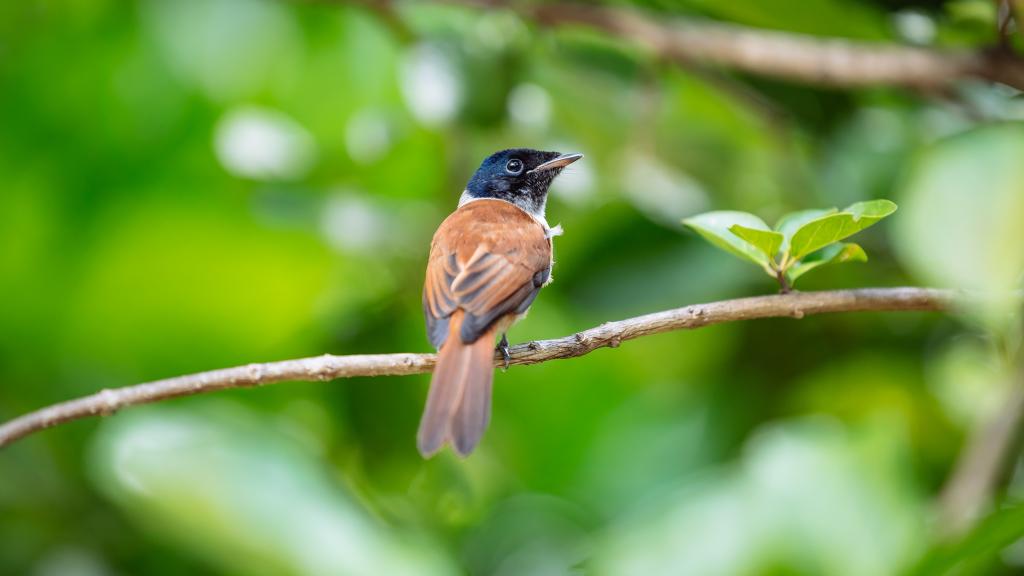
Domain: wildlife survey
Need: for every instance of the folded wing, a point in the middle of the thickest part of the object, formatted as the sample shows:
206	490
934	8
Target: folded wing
488	259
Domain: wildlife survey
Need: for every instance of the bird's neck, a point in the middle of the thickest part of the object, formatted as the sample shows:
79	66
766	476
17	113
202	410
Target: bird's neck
537	212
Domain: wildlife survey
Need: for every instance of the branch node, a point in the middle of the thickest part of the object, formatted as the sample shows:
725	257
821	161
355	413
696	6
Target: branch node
615	342
108	403
255	371
797	313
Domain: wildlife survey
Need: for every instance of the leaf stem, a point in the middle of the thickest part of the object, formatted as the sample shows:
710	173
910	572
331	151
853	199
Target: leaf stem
784	287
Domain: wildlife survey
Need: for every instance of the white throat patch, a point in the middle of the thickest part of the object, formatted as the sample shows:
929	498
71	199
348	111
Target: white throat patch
465	198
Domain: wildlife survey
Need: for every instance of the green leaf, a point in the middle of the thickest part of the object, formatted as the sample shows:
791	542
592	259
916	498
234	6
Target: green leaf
767	241
714	227
821	232
180	471
790	223
834	254
976	552
964	201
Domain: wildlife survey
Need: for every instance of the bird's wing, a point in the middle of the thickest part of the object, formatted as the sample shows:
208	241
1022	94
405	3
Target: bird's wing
489	258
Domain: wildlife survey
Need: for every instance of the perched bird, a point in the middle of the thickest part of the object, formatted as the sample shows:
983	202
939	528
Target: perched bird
488	261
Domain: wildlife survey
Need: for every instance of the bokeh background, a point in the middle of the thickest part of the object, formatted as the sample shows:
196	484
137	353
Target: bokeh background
188	185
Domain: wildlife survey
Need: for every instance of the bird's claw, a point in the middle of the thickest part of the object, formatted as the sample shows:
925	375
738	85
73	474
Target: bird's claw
503	348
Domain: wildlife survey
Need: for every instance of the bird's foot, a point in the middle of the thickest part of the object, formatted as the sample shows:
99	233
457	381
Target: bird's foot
503	348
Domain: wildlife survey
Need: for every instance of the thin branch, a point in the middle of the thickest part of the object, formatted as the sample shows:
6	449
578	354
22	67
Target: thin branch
1004	21
1018	10
609	334
983	462
796	57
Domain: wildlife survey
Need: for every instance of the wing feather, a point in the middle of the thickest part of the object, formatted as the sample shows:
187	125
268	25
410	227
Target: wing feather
484	260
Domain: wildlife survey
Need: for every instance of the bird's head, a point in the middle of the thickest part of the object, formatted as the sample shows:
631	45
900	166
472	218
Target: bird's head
520	176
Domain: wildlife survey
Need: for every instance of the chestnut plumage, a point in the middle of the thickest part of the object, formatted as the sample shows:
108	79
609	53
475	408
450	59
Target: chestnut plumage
488	261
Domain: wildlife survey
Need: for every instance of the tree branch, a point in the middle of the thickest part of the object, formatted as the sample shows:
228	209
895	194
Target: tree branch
609	334
797	57
1004	20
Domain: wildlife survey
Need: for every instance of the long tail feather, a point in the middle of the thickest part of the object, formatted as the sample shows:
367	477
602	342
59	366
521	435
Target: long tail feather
459	403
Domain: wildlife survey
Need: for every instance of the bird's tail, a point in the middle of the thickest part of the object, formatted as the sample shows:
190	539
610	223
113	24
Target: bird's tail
459	404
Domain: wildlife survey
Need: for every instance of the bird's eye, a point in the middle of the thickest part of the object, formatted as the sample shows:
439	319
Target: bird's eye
514	166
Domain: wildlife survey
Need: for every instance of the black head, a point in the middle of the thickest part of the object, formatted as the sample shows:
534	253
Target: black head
520	176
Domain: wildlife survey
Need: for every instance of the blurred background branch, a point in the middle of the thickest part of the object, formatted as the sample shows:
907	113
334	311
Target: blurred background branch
609	334
818	61
1004	21
982	464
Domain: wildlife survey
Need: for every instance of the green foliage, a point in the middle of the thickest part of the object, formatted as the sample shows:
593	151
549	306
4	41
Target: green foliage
973	182
188	185
767	241
833	254
233	462
718	228
801	241
975	553
820	232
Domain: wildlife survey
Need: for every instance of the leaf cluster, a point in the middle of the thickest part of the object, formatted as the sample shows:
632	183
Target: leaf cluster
800	242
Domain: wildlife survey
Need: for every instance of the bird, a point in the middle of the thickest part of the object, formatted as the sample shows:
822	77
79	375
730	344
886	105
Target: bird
488	261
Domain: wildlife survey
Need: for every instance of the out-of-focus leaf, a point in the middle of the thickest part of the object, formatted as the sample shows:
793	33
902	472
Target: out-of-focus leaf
715	228
238	493
767	241
834	254
964	202
809	497
976	552
228	48
969	381
819	17
821	232
977	12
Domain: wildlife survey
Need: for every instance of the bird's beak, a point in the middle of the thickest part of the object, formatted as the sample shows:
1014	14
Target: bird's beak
560	162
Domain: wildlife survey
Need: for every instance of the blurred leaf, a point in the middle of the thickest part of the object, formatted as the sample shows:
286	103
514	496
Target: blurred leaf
821	232
822	17
834	254
229	49
808	497
981	12
977	551
964	202
238	493
875	385
767	241
715	228
190	273
970	380
529	534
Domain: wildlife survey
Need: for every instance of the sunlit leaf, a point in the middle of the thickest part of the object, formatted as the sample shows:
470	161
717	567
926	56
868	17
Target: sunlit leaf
767	241
834	254
790	223
821	232
715	228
